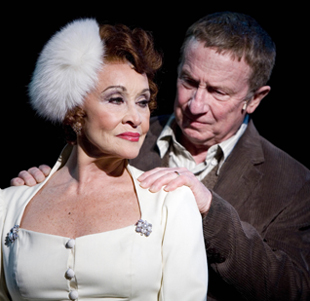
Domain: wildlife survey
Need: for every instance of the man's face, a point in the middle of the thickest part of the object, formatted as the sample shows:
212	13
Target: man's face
212	90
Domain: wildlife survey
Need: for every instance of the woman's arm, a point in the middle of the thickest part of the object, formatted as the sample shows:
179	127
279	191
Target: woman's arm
185	272
3	291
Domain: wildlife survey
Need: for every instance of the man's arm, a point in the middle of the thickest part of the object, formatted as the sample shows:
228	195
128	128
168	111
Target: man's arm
272	263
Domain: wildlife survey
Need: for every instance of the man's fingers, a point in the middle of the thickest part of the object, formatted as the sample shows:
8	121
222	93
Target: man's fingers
157	178
177	182
17	182
37	174
45	169
151	172
156	175
32	176
171	180
27	178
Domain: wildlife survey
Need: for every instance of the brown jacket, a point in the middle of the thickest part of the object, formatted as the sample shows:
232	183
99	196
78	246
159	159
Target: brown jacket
257	232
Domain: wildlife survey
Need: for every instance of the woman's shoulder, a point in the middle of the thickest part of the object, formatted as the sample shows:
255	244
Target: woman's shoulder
135	172
181	197
183	192
180	200
16	192
17	195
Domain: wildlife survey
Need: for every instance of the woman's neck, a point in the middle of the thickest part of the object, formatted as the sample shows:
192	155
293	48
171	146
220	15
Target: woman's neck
85	169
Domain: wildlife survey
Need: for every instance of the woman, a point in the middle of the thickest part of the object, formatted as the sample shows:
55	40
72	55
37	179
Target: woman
89	231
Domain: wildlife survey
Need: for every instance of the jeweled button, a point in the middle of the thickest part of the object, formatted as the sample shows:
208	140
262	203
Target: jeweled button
73	295
70	244
69	274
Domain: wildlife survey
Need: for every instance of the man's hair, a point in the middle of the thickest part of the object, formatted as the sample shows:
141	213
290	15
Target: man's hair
240	36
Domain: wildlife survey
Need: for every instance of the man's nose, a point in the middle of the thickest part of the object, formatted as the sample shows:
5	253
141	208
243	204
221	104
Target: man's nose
199	102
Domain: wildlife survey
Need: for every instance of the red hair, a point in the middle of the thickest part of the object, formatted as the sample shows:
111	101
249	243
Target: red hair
122	44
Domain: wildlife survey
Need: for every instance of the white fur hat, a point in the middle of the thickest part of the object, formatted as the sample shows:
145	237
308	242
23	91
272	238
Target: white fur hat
67	69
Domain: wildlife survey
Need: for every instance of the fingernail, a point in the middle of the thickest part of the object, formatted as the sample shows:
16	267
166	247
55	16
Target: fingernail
153	189
142	184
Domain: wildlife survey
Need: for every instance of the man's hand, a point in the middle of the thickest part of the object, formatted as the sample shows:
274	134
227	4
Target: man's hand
173	178
32	176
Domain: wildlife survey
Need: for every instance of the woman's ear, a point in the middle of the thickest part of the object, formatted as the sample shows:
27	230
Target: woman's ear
254	102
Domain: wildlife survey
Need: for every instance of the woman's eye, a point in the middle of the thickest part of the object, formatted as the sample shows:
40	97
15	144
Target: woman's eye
143	103
116	100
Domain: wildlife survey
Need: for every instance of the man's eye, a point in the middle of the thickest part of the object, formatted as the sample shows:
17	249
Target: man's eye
217	92
188	82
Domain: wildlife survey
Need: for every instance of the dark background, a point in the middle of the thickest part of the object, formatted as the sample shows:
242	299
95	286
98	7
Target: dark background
29	141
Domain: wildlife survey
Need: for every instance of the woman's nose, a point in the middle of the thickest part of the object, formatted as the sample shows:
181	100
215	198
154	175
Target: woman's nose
132	117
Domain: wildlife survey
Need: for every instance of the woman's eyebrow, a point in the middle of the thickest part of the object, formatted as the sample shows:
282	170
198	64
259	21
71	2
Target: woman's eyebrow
145	90
123	89
115	87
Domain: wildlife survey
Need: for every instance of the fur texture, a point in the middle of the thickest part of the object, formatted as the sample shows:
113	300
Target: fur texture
67	69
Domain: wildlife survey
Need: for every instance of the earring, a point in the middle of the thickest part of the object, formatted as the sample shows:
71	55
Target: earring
77	127
244	106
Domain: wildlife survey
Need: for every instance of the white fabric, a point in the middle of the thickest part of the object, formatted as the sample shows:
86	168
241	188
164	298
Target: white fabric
168	265
67	69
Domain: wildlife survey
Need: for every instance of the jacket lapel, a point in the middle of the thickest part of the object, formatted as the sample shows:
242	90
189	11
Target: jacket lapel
240	173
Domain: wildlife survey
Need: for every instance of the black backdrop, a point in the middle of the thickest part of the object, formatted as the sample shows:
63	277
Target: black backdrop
27	140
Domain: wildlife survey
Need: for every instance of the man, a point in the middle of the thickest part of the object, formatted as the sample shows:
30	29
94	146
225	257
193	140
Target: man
254	198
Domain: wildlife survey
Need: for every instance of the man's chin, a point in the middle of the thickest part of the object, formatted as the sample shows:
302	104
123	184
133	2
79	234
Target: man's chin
196	137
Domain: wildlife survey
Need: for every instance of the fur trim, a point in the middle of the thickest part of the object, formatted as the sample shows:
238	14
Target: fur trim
67	69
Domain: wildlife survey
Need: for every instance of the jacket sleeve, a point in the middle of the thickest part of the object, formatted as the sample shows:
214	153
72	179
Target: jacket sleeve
273	265
185	272
3	291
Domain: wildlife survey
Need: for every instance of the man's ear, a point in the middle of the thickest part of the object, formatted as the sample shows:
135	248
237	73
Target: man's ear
254	102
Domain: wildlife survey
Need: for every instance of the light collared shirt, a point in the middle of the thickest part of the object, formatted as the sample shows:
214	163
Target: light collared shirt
180	157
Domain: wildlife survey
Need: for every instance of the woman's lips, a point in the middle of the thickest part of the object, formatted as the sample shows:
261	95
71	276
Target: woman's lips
130	136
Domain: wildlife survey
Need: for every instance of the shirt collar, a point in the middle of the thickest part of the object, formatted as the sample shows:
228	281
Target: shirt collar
169	133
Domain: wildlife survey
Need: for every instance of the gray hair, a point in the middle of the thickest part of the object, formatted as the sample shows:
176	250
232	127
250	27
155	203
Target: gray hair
239	35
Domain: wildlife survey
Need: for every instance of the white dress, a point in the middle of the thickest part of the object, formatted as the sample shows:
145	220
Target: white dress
169	264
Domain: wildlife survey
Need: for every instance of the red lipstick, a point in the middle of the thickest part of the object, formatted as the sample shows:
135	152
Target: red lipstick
130	136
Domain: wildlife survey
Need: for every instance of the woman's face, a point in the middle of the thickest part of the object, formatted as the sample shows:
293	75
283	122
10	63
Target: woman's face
117	113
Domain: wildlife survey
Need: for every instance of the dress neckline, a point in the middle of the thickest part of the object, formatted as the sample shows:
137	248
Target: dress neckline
130	227
40	186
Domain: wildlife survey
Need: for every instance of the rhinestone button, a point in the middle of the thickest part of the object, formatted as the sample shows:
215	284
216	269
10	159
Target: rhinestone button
70	244
70	274
73	295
